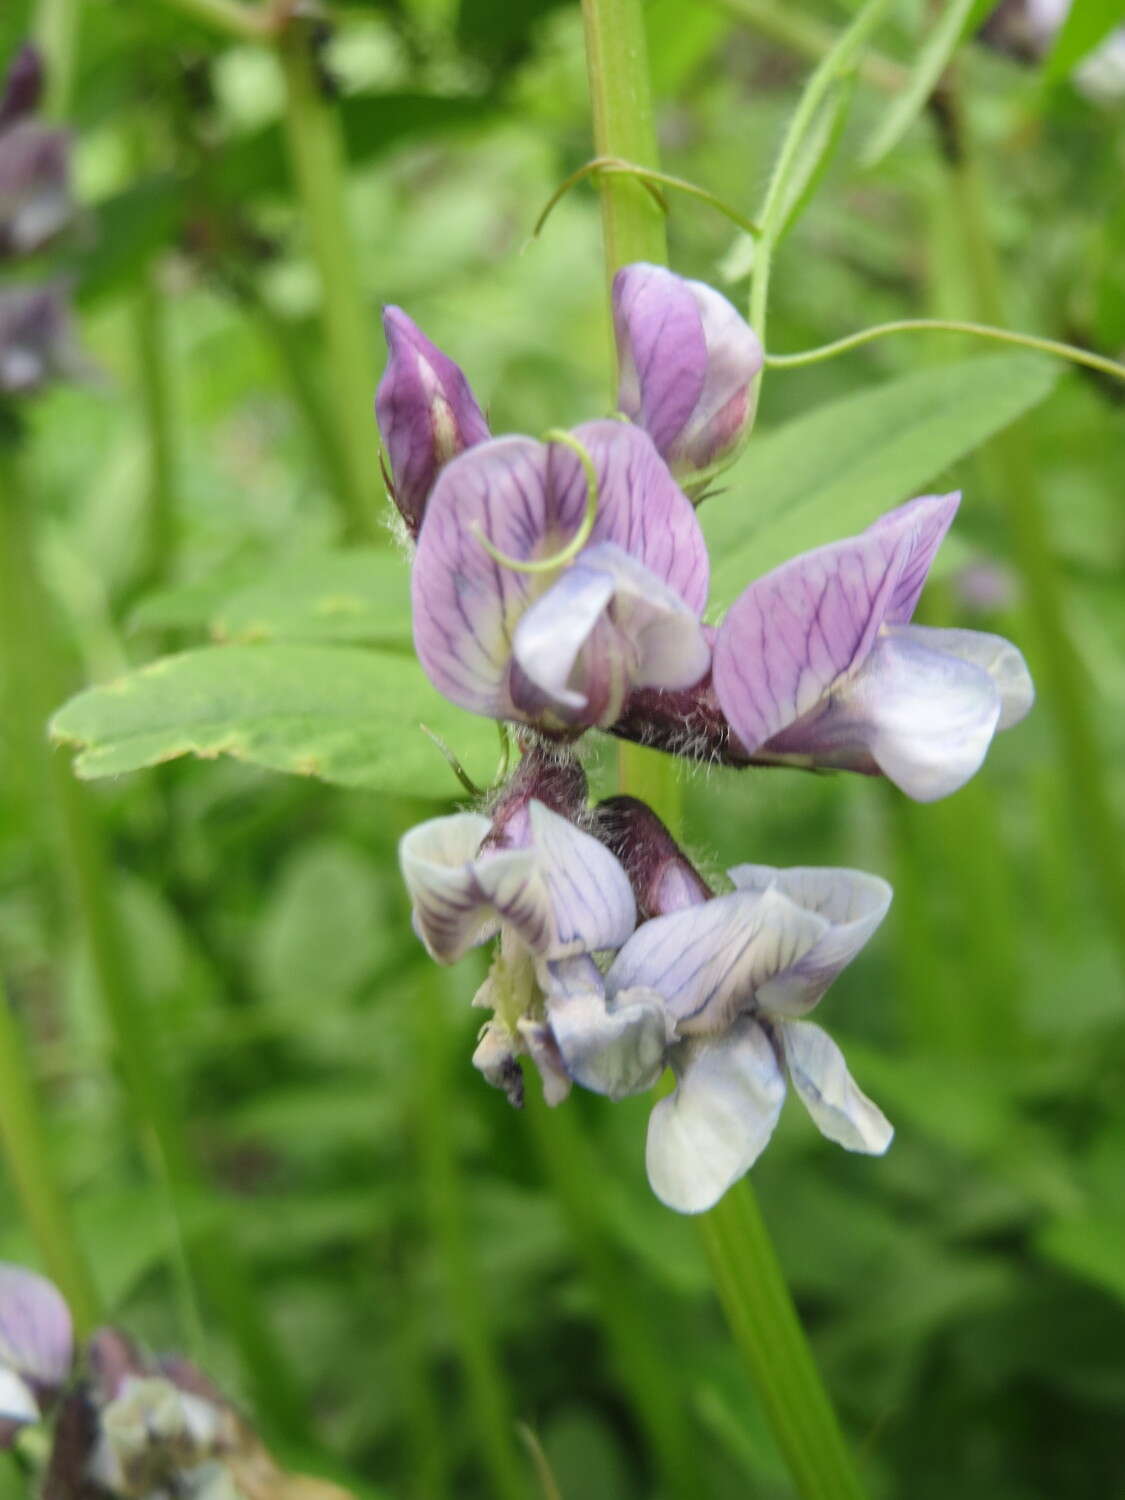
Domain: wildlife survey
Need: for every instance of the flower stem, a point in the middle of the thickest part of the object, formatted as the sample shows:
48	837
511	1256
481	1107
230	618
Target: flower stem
747	1278
43	1201
316	151
445	1202
53	29
153	385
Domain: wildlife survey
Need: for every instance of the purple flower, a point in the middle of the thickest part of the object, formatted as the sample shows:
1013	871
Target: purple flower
560	648
688	362
426	411
555	896
817	663
35	200
36	339
736	975
36	1347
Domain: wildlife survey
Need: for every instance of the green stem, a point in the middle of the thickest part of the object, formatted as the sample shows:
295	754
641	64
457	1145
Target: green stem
765	1326
445	1201
1058	666
656	1395
747	1277
38	681
245	23
316	151
1057	350
790	27
30	1162
153	384
54	28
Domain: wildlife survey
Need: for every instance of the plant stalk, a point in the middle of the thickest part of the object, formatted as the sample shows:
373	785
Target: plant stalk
747	1278
317	155
23	1134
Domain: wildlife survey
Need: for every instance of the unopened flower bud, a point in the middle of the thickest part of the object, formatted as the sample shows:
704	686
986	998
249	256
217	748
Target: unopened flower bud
23	85
427	414
663	878
36	340
687	361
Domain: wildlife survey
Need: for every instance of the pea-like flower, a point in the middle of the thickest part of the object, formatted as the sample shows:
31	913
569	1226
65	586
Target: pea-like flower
427	414
36	1348
555	896
688	361
35	201
737	974
37	342
817	663
552	579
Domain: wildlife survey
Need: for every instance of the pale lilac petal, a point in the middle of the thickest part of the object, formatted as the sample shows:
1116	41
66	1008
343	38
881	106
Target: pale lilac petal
426	411
36	1347
592	902
615	1051
1003	662
661	350
924	718
790	637
687	360
451	911
851	902
539	1040
607	626
926	519
839	1108
711	1131
529	499
708	962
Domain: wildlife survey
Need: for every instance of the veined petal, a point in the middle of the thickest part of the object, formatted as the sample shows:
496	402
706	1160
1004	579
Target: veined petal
852	905
793	636
592	902
36	1334
452	913
706	1135
528	500
606	627
924	718
687	360
925	521
1002	661
840	1110
708	962
613	1050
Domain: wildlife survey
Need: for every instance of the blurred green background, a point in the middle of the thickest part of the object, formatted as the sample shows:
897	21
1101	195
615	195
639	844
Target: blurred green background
431	1265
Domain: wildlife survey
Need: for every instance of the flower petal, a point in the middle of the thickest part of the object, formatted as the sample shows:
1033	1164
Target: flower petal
840	1110
36	1335
1002	661
852	904
706	1135
451	912
790	638
606	627
529	499
687	360
592	902
708	962
426	411
613	1050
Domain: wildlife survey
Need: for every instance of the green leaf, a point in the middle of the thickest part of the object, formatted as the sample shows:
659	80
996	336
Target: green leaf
346	715
1088	22
831	473
928	67
814	154
360	595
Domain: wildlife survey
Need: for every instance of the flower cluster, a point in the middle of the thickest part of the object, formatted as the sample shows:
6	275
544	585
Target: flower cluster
36	343
125	1424
560	585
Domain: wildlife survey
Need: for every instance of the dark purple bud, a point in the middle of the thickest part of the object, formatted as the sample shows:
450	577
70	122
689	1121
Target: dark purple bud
36	1347
688	361
546	773
663	878
427	414
23	85
37	343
